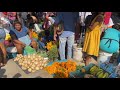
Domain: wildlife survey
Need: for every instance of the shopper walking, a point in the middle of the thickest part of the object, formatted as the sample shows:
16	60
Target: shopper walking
69	20
92	36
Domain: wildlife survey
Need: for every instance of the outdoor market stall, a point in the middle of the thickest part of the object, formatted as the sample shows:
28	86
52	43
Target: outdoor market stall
46	58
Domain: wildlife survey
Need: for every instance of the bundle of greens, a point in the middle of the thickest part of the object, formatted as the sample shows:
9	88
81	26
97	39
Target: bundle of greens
53	53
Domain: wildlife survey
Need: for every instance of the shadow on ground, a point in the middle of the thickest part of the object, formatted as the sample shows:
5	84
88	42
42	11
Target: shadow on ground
18	75
2	71
38	77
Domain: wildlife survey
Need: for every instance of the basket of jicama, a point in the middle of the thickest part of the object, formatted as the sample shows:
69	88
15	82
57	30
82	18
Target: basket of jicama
31	63
61	69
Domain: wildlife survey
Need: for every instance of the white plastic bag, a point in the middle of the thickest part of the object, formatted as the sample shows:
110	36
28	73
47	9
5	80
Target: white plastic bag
110	23
103	57
11	49
37	29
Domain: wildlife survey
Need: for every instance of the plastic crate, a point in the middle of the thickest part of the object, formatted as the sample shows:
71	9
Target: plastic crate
79	74
108	68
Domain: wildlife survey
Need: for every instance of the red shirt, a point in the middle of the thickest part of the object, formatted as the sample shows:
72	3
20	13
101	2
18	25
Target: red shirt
5	13
107	17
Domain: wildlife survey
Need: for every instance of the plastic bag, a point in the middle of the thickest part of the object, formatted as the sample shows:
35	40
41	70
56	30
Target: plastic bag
26	40
11	50
29	50
38	30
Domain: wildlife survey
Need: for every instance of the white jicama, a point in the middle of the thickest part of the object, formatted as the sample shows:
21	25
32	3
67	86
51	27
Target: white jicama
28	62
45	65
20	64
41	67
30	70
33	70
24	68
32	67
37	68
36	63
31	63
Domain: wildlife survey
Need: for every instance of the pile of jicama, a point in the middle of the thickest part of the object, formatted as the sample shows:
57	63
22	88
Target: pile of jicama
32	62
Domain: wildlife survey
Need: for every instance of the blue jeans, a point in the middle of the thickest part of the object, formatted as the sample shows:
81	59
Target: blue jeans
62	43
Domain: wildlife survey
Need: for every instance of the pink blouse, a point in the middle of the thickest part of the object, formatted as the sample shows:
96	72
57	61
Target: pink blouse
11	15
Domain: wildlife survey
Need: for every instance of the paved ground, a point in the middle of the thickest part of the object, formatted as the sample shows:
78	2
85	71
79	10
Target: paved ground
12	70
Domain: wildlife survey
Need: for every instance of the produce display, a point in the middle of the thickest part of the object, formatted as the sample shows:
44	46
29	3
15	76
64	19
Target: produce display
31	63
89	76
90	71
52	51
61	69
8	37
49	45
98	72
80	72
34	35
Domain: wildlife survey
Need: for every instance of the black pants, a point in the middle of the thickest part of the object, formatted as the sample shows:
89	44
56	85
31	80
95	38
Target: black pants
47	34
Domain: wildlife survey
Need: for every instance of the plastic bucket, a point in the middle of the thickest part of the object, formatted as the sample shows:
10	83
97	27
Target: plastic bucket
103	57
77	54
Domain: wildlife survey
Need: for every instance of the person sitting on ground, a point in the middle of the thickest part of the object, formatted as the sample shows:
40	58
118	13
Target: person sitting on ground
22	37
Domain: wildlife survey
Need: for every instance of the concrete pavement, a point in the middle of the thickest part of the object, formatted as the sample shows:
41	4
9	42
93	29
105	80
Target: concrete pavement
12	70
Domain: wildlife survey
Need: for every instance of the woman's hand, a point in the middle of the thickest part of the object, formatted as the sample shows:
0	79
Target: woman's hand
24	45
55	37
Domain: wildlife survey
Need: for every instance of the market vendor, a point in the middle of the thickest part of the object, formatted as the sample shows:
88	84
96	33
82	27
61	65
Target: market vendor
2	48
109	43
22	37
4	29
